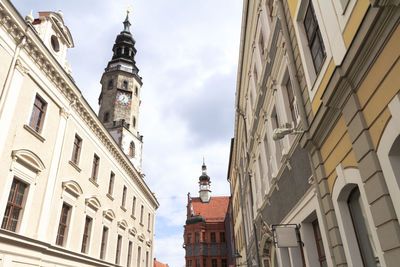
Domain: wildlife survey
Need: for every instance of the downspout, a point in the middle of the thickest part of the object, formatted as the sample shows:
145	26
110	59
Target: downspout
292	66
10	74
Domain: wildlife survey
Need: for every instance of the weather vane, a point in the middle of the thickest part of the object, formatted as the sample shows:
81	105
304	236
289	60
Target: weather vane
128	9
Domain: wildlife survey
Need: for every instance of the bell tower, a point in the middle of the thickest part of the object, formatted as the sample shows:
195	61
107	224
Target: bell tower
119	99
204	184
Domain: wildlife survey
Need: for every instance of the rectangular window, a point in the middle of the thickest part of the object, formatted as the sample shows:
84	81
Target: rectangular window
204	262
141	214
15	205
147	259
204	236
63	225
76	151
118	252
133	206
314	38
95	167
189	238
189	263
86	234
212	237
123	196
197	262
148	221
222	237
139	254
197	237
103	245
38	111
290	95
320	245
214	263
111	184
129	259
224	263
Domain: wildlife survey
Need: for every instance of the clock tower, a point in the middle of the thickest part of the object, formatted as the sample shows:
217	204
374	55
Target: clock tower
119	99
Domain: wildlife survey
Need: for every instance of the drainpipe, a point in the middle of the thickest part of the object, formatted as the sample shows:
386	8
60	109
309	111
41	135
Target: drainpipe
292	65
10	74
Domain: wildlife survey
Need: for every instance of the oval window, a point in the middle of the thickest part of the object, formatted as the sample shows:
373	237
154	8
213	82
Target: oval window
54	43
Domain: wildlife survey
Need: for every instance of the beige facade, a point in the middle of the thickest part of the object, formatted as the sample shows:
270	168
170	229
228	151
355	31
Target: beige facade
75	198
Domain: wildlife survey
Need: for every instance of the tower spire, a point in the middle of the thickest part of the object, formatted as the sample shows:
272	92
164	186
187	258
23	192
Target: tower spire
126	22
204	184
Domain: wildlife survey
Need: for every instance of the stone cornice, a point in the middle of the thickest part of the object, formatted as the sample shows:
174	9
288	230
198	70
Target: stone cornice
11	22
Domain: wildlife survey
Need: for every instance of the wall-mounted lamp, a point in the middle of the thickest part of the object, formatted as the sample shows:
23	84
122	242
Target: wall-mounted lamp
279	133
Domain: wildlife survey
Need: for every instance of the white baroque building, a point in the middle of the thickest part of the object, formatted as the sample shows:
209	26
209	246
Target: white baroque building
71	190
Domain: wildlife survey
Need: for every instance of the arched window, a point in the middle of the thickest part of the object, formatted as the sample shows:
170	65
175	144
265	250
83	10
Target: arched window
125	85
134	121
106	116
110	84
132	150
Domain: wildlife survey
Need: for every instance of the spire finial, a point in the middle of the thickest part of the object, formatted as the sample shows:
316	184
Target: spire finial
204	161
126	22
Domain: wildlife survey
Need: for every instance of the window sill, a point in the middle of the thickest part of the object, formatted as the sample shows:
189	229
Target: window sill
75	166
123	208
34	133
93	182
133	217
110	196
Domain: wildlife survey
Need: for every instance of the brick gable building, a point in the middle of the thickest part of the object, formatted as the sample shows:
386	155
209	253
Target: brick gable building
206	229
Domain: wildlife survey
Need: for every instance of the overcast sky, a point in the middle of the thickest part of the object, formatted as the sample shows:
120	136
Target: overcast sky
187	55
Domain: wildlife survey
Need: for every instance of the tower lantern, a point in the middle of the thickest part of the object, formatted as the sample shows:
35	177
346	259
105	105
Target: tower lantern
204	184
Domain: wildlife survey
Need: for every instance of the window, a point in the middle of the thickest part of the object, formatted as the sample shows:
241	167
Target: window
204	236
63	225
261	44
103	245
134	121
147	259
320	245
314	38
95	167
54	43
110	84
189	238
123	196
14	207
224	263
148	221
290	95
118	252
189	263
129	259
136	91
363	233
111	184
38	111
205	262
125	85
86	234
197	237
212	237
222	237
197	262
139	254
133	206
214	263
106	116
132	150
76	151
141	214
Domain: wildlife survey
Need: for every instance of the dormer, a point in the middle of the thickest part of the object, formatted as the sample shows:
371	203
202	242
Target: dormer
55	35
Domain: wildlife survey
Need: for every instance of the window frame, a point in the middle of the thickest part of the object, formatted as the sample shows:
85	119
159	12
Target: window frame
87	231
124	193
76	149
104	241
35	124
14	205
118	250
111	183
66	211
95	167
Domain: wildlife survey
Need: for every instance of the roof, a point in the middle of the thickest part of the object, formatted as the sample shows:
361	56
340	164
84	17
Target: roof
213	211
159	264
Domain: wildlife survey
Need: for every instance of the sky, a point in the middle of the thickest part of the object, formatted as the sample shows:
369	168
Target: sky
187	53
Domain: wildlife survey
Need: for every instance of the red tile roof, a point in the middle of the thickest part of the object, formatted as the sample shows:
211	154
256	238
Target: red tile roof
213	211
159	264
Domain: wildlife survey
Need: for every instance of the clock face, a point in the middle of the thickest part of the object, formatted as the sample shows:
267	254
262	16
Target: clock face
123	99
